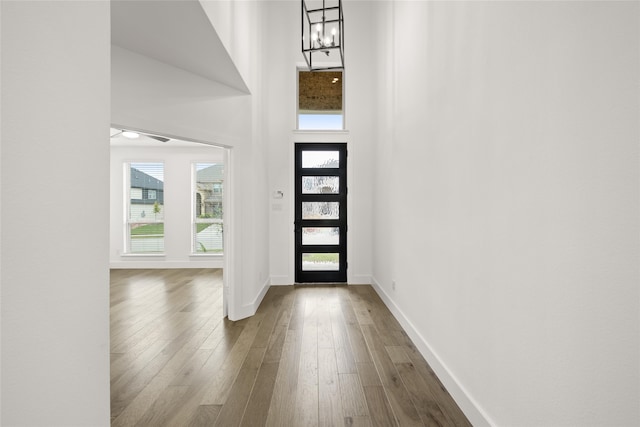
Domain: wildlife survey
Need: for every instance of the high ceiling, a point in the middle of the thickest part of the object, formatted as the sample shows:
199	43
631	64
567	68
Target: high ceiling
177	33
119	140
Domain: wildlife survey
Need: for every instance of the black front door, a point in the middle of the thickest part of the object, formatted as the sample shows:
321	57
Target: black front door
321	213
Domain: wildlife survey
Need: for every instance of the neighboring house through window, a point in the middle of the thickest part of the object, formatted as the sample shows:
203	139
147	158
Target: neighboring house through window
207	229
145	208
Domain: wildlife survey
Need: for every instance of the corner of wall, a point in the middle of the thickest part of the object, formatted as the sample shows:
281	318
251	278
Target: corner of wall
465	401
360	279
281	280
250	309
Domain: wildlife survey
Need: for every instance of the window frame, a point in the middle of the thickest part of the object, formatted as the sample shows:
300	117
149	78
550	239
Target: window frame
194	218
127	250
303	69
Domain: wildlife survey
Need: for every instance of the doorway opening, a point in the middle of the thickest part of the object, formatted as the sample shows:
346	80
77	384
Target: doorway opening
151	174
160	294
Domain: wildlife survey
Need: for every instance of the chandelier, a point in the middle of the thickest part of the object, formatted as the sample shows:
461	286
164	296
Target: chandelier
323	34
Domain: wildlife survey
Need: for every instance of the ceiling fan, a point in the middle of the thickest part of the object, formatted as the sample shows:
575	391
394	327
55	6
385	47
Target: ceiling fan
134	134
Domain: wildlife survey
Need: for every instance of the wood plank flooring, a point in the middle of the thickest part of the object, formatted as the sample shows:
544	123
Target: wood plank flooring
311	356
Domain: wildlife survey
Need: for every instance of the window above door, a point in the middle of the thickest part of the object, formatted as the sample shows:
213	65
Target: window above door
320	100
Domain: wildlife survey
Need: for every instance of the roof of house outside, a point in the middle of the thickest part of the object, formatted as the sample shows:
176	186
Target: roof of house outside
140	179
214	173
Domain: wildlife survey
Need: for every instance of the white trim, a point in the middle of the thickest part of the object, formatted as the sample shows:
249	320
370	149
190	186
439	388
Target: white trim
193	197
228	269
467	404
281	280
250	309
359	279
142	255
291	236
157	264
319	136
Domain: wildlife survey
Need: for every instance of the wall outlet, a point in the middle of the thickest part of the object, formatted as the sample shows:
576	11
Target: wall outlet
393	285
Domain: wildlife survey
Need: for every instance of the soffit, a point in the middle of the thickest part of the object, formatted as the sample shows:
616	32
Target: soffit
119	140
178	33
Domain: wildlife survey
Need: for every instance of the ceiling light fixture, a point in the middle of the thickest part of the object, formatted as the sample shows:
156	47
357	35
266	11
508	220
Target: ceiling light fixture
130	134
134	135
323	32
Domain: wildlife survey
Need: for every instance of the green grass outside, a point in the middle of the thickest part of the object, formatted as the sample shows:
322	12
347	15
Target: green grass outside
321	257
209	251
148	229
202	226
158	229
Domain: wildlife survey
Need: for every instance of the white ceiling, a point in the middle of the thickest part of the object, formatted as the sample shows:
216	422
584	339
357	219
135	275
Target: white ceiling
176	32
118	140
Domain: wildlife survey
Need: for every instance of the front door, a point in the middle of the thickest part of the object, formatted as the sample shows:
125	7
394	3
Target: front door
321	213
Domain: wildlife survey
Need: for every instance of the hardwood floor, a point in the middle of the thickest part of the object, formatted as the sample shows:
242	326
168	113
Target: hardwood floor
312	355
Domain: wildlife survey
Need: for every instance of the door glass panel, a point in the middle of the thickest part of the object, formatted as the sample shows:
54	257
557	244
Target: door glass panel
320	210
320	184
321	262
320	159
320	236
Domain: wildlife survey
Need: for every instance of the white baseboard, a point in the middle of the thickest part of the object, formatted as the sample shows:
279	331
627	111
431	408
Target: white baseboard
157	264
250	309
467	404
281	281
360	279
357	279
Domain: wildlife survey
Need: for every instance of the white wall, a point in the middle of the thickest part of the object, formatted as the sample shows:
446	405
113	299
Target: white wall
55	121
150	95
1	133
508	137
177	209
230	18
55	292
280	81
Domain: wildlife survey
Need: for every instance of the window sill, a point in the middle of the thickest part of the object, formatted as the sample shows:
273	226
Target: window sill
142	255
206	255
327	131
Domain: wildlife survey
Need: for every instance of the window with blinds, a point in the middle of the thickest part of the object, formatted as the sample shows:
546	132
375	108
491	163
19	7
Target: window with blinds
207	231
144	208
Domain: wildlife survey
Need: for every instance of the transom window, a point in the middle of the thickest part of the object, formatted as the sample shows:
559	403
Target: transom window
320	100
